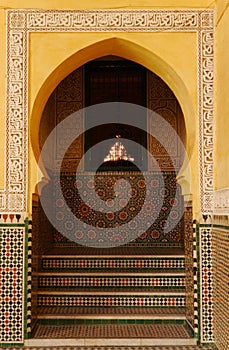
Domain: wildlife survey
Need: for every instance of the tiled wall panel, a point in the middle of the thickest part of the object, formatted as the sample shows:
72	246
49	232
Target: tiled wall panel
221	286
206	284
12	247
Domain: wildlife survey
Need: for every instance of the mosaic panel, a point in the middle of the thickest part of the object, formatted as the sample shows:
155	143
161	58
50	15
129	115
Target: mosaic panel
206	284
119	300
11	282
195	275
164	192
28	276
113	331
122	312
104	263
110	281
221	283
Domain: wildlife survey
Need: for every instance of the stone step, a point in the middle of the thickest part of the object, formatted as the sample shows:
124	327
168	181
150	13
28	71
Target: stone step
84	296
174	333
131	250
111	313
116	343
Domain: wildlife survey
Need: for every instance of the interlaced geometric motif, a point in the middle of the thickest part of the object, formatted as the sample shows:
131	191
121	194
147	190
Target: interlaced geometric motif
90	281
195	287
11	283
108	263
206	285
117	300
164	193
221	282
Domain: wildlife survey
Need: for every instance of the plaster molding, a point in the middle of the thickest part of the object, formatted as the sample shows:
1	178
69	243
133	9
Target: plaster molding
221	202
21	22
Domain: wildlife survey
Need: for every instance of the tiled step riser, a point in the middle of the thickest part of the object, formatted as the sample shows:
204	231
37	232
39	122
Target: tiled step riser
90	281
114	313
114	331
111	263
117	301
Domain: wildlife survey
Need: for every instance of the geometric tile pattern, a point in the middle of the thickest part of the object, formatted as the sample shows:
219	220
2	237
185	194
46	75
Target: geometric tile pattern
161	252
112	331
88	287
11	283
117	300
206	284
92	299
221	283
111	281
28	264
195	272
109	263
162	191
126	311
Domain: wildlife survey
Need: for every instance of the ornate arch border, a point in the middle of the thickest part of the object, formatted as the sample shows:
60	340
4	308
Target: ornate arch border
22	22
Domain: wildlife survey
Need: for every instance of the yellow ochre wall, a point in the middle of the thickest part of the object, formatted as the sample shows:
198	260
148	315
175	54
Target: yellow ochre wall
173	56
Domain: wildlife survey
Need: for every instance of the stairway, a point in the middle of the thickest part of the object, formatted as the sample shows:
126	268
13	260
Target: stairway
107	296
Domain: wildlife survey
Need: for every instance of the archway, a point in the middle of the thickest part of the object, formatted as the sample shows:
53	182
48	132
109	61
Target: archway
128	50
58	239
103	84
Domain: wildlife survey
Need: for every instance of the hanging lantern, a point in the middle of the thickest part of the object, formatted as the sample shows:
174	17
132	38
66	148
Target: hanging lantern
118	152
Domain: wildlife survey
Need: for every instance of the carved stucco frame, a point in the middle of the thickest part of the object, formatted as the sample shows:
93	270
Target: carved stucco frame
22	22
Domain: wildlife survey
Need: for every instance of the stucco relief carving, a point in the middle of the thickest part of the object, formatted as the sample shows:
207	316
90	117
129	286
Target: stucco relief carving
161	100
21	22
69	99
221	202
206	109
70	89
2	201
109	19
65	109
171	118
